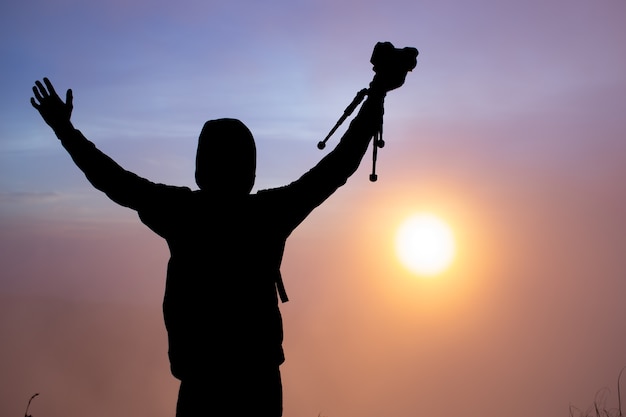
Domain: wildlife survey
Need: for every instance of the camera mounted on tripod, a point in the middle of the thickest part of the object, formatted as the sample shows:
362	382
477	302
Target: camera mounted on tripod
388	59
391	66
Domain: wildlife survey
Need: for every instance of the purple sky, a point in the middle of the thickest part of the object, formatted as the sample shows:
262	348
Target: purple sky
512	128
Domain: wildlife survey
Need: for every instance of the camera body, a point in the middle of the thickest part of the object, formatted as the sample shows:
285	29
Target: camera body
388	59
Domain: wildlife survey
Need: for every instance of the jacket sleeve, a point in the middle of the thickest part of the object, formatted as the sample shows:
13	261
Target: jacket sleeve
121	186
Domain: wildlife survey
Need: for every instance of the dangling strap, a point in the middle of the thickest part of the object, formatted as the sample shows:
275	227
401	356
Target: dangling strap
280	287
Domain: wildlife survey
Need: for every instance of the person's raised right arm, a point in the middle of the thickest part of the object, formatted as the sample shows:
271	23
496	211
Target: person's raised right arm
121	186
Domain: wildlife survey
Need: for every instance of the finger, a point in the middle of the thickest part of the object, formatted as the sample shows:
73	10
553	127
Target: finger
50	86
42	91
37	94
34	103
69	98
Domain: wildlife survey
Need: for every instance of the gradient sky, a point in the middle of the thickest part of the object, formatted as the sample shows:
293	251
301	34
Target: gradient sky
512	128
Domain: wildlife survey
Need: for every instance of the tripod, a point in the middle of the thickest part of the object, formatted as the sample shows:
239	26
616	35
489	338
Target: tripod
378	136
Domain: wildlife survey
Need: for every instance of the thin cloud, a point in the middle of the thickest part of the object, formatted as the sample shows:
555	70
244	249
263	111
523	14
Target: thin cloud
21	197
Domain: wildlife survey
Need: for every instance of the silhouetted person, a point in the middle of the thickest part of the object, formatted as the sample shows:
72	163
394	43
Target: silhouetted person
223	278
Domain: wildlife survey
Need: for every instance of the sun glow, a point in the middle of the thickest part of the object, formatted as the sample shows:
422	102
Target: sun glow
425	244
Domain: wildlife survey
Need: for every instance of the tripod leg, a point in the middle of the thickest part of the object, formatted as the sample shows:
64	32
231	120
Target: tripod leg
378	143
347	112
373	176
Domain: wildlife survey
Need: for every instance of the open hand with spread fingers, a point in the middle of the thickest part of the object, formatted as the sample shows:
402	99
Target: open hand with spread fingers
53	110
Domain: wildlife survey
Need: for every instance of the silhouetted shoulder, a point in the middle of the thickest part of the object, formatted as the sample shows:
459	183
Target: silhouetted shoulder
166	207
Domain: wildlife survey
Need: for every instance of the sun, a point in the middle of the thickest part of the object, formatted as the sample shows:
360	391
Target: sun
425	244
